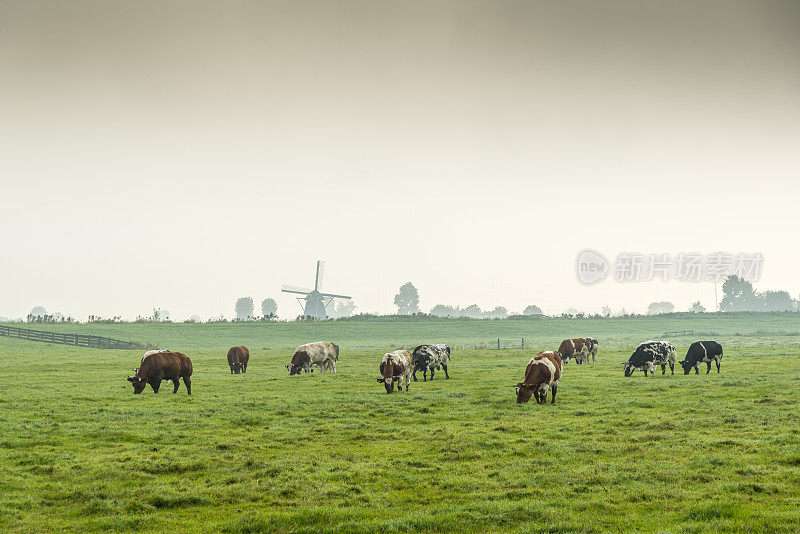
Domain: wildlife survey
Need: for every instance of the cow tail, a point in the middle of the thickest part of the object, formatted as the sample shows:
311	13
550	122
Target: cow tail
336	351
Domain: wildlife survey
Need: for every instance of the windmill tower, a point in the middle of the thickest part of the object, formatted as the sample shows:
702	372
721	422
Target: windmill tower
315	302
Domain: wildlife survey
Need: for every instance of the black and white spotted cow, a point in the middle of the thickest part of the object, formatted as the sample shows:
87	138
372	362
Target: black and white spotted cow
648	355
430	357
702	351
592	348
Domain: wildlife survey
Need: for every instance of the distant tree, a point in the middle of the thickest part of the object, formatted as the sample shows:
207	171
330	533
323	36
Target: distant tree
193	319
738	295
269	308
443	310
38	311
606	311
697	308
532	310
657	308
342	308
500	312
472	311
407	299
244	308
777	301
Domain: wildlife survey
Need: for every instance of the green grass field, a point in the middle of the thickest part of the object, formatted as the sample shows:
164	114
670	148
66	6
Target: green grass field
334	453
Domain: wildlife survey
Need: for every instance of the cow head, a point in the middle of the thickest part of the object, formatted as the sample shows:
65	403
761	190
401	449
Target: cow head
388	377
237	367
301	361
629	369
687	366
138	383
524	392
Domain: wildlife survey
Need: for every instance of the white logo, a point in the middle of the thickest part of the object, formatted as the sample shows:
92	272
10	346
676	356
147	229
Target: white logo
591	266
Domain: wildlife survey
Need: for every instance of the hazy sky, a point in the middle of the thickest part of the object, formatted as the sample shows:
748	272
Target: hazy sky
183	154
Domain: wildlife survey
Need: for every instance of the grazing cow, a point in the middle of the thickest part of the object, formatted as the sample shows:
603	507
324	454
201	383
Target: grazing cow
578	348
311	354
396	367
430	357
702	351
543	371
648	355
238	357
162	366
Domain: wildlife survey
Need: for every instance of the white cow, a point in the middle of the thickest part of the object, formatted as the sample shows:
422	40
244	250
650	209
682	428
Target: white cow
323	354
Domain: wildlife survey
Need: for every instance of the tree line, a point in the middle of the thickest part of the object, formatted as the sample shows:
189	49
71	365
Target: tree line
738	295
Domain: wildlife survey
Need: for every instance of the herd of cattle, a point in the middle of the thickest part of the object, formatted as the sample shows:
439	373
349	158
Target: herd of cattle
399	367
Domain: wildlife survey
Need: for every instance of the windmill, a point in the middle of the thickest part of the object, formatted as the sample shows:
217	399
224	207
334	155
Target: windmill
315	300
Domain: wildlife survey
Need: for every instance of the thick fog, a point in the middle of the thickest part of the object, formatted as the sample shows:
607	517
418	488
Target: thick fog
183	155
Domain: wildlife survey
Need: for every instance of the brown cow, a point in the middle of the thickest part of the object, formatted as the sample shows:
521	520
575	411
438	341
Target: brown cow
543	371
578	348
396	367
238	358
162	366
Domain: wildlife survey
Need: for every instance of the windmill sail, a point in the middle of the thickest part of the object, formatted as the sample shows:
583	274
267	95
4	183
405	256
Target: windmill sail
320	275
295	289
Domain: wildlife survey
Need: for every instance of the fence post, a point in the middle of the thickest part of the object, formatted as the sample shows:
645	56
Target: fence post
498	343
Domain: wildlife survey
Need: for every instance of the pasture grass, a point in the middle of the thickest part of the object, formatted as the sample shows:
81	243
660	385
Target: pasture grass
263	452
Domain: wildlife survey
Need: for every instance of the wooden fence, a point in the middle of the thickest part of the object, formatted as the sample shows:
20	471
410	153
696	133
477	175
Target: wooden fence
509	344
678	333
78	340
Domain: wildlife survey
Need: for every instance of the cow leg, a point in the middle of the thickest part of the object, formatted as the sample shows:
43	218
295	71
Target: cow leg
663	369
431	374
244	367
718	362
555	388
425	375
672	367
156	384
231	369
415	375
697	368
447	376
176	383
708	363
645	371
408	382
188	382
